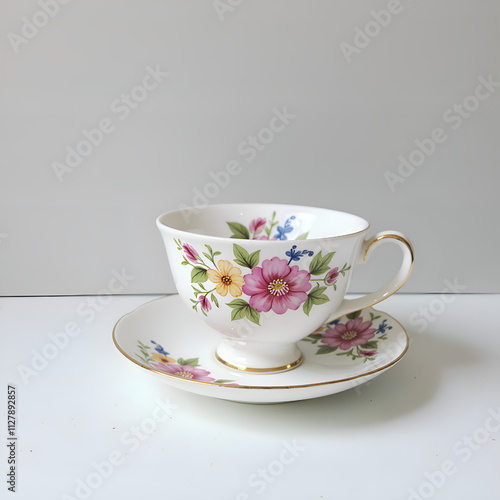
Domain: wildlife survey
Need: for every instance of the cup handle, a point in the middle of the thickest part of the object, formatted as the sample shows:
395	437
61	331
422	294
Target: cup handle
350	305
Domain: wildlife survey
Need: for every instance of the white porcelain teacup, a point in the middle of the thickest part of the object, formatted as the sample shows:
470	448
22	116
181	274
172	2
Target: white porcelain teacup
265	276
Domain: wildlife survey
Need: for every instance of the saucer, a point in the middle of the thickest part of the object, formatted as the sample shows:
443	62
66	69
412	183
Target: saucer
162	337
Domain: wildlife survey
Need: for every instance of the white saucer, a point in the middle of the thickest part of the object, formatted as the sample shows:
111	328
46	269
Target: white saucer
163	337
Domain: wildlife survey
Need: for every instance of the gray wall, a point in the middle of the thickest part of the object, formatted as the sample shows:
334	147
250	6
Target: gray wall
358	103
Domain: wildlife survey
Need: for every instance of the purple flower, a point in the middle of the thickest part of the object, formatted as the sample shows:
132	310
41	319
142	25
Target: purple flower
190	252
184	371
205	303
368	354
332	276
276	286
345	336
257	225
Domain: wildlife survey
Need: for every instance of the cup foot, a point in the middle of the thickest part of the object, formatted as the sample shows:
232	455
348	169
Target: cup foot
258	358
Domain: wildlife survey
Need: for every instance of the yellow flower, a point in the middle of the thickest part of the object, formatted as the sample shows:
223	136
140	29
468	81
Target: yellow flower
227	279
162	358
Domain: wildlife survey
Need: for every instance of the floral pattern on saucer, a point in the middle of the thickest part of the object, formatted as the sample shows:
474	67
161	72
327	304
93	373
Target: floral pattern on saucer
355	337
188	369
276	284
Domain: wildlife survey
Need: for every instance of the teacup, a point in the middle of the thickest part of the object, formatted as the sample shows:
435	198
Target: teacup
265	276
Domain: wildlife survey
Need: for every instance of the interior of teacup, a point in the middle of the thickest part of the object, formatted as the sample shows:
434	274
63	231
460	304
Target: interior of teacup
263	221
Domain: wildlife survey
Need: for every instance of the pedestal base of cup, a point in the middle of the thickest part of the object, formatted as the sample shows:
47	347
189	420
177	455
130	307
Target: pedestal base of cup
258	357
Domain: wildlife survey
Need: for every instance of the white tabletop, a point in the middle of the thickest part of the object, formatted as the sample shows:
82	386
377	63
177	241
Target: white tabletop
89	424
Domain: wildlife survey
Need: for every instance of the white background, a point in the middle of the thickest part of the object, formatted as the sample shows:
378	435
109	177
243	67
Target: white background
353	119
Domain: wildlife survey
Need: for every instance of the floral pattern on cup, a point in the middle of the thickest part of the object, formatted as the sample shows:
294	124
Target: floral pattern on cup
275	284
357	337
189	369
264	229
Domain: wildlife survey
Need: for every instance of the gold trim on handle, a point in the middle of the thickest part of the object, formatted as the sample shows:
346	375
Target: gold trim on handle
395	237
402	240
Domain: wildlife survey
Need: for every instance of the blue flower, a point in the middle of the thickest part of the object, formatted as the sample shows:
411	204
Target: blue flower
283	230
296	255
159	349
383	327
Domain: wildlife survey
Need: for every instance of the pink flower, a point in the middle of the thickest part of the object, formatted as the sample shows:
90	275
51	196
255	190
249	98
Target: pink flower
332	275
257	225
190	252
276	285
184	371
368	354
205	303
353	333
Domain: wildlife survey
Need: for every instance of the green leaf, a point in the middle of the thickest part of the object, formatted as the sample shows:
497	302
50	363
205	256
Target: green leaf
238	314
198	275
237	303
307	305
254	259
242	309
353	315
253	315
222	381
372	344
317	291
319	264
326	349
243	258
238	230
317	296
191	361
214	300
303	236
